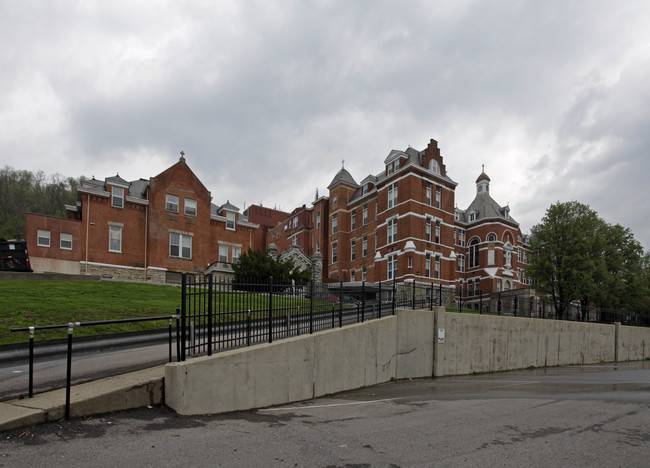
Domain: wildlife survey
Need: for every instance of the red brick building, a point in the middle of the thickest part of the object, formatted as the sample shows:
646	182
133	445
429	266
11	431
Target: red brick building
143	230
402	225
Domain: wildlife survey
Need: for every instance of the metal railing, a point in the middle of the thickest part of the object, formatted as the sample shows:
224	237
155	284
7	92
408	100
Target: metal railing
217	315
71	326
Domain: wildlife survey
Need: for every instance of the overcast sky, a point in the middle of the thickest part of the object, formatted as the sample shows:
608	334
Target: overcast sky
267	98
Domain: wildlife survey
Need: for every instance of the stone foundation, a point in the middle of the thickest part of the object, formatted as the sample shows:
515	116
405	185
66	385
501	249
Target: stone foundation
124	273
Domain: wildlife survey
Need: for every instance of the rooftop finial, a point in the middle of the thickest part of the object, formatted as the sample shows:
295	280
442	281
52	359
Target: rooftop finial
482	167
343	164
182	155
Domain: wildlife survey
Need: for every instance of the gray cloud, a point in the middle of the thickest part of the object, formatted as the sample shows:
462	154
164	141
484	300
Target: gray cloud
267	98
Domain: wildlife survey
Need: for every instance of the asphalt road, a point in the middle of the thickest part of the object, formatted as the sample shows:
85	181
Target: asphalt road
578	416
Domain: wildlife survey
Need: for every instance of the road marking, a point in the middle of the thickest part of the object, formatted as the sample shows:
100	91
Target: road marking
286	408
17	372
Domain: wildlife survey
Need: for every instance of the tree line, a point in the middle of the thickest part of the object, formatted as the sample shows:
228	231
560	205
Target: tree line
23	192
578	257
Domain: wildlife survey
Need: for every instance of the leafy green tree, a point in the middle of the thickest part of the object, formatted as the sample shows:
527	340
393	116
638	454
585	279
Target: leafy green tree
258	267
579	257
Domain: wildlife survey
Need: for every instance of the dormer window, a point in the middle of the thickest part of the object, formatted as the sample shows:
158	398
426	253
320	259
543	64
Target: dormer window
230	220
472	216
397	164
117	199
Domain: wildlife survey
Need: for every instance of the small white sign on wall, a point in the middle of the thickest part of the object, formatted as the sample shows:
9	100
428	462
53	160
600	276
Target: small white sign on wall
441	335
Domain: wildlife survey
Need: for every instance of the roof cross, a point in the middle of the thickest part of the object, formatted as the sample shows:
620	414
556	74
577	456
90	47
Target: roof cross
343	164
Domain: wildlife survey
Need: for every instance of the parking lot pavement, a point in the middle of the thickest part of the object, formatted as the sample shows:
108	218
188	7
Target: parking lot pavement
571	416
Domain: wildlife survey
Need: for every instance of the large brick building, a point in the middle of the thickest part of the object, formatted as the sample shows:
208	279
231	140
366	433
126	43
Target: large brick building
144	230
398	225
402	225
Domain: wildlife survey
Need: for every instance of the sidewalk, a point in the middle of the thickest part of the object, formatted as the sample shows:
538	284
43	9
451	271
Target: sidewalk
133	390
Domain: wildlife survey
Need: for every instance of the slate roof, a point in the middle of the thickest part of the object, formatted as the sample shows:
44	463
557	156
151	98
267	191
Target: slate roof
343	177
485	207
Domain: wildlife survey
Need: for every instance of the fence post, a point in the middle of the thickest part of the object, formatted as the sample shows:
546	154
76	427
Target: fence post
394	298
210	315
413	302
68	378
363	301
270	309
248	328
183	315
439	295
170	340
499	304
340	306
379	302
480	302
31	362
311	309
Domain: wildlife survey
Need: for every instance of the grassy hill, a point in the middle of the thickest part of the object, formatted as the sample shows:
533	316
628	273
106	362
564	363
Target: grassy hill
38	303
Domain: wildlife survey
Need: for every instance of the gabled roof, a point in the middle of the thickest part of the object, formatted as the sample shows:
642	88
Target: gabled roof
343	177
118	181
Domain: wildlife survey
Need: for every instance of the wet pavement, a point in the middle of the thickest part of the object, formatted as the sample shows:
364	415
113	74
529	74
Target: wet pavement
569	416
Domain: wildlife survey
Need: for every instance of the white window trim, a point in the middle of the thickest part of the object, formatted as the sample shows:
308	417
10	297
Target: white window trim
112	229
61	241
40	234
169	200
181	237
188	204
117	193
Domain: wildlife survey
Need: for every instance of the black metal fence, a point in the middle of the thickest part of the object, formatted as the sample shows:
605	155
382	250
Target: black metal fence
523	303
217	315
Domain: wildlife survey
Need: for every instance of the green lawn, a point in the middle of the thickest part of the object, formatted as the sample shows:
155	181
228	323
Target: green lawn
38	303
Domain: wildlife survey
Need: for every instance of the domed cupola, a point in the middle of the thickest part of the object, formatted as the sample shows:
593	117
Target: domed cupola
483	183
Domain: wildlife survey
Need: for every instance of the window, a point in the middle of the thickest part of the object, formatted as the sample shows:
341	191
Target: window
410	264
317	246
353	249
472	216
295	221
115	239
43	238
66	241
236	253
223	253
334	252
353	219
470	288
490	259
190	207
433	166
461	237
392	266
427	265
230	220
352	276
334	200
491	238
365	214
171	203
117	200
392	195
364	274
392	230
473	253
437	231
318	220
364	246
335	223
428	229
294	240
180	245
477	286
438	196
428	195
437	266
460	263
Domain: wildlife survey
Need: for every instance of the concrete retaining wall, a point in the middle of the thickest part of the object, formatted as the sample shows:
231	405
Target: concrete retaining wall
407	345
487	343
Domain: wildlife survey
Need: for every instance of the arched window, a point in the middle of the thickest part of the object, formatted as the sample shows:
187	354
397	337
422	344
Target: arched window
491	238
473	253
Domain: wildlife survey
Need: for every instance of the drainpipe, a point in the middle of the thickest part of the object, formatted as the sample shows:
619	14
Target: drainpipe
87	228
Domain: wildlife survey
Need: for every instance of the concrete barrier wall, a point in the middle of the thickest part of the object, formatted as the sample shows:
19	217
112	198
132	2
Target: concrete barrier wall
487	343
633	343
402	346
286	371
